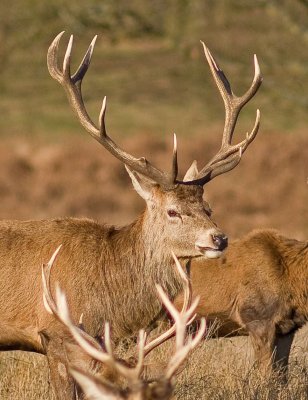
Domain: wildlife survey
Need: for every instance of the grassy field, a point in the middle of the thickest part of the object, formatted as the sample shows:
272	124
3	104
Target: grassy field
160	84
219	369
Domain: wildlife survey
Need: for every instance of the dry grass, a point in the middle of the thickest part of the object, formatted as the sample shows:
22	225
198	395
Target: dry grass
24	376
223	369
219	369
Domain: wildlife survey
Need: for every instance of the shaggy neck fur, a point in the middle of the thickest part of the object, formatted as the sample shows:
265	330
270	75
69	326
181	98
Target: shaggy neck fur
146	261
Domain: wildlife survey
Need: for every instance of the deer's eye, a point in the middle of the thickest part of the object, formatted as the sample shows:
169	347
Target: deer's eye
208	211
173	213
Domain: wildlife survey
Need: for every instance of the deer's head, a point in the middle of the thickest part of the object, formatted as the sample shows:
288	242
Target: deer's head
175	208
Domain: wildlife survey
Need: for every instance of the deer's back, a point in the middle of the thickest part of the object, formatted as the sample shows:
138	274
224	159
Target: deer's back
24	246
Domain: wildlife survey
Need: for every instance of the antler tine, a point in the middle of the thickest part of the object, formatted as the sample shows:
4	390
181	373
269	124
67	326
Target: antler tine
72	86
89	345
128	372
52	59
59	306
233	104
229	155
141	353
181	320
186	283
187	288
174	172
48	300
93	386
183	351
85	63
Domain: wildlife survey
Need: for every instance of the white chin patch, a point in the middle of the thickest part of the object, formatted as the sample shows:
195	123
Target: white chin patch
212	253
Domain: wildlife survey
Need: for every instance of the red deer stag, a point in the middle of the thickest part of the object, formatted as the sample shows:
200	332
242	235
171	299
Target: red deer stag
100	384
110	273
259	287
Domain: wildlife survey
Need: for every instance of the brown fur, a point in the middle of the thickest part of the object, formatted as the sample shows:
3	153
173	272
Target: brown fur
109	274
261	286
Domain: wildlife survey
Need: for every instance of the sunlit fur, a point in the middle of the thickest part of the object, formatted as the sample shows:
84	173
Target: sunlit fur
108	273
259	285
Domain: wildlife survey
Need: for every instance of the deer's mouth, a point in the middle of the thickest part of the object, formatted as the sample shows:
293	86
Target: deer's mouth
209	252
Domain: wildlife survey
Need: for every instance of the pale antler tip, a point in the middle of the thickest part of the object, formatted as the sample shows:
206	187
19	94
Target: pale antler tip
179	267
93	41
175	142
158	287
204	45
205	48
59	35
257	66
175	258
66	62
108	339
91	47
57	38
194	304
54	255
62	304
201	331
101	117
71	39
210	59
142	334
258	117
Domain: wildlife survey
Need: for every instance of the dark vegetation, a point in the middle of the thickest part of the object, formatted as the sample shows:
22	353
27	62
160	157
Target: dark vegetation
149	63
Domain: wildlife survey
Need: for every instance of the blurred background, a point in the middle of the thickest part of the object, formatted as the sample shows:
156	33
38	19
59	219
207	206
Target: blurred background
149	62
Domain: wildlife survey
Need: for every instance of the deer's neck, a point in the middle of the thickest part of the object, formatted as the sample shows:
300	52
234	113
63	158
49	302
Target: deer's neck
142	259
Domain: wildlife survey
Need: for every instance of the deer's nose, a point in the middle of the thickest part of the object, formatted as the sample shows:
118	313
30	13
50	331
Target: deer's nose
220	241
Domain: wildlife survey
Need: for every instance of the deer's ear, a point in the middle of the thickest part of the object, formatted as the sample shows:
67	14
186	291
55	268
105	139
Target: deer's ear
192	172
142	185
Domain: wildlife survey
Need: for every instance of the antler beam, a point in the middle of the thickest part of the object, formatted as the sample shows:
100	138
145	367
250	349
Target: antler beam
229	155
72	85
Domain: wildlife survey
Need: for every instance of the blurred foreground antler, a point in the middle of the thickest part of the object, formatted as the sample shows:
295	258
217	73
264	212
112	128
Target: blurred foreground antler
137	388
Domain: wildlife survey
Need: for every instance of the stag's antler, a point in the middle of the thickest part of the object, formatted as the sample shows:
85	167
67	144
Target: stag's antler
187	289
72	86
229	155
